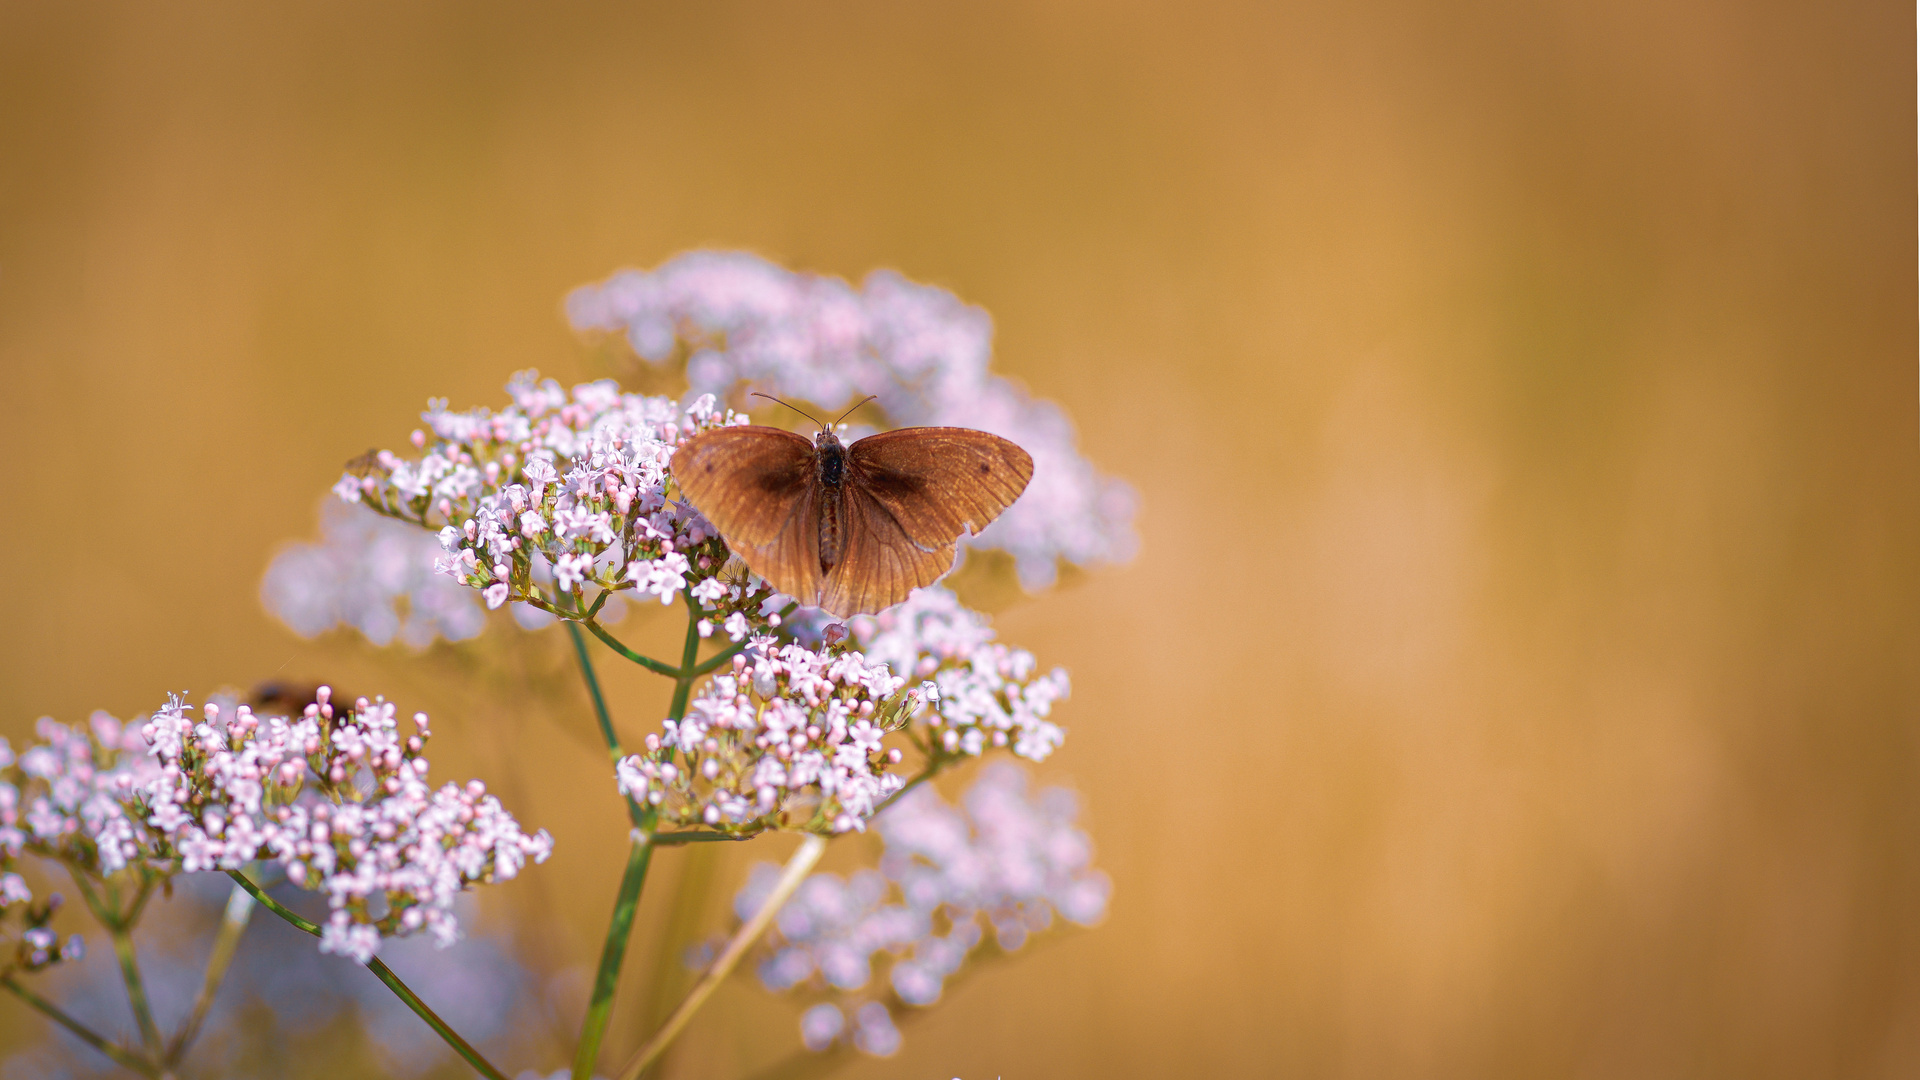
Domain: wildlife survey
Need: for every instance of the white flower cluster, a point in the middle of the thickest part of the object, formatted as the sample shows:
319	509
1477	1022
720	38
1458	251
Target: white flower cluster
63	798
790	737
1012	858
372	574
735	317
561	491
986	693
340	801
787	738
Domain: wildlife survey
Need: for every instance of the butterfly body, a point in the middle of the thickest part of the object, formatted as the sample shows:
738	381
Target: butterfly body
830	471
849	528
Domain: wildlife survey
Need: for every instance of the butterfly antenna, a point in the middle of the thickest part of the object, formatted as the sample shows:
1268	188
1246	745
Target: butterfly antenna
854	406
795	408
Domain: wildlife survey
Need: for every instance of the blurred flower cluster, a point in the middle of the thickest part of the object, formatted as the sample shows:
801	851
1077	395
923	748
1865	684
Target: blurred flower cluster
734	317
67	798
1005	857
372	574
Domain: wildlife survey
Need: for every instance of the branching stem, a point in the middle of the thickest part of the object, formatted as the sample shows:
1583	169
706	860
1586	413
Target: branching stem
233	923
798	867
385	974
121	1056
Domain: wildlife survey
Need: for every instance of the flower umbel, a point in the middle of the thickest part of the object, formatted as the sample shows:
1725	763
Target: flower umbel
339	800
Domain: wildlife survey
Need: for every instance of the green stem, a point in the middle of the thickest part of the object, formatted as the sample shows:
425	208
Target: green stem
385	974
634	813
275	906
480	1064
600	1006
593	689
695	836
233	923
798	866
683	678
613	643
137	992
122	1057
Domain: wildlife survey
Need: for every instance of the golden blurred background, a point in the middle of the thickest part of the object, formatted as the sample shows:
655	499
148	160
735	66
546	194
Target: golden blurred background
1519	674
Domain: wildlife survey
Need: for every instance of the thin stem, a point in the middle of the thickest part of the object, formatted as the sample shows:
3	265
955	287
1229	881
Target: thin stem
92	898
273	905
613	954
593	690
600	1006
233	923
683	678
480	1064
798	866
613	643
137	992
634	813
696	836
385	974
121	1056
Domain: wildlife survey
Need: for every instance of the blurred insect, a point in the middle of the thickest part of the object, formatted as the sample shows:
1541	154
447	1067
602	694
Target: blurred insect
849	528
368	464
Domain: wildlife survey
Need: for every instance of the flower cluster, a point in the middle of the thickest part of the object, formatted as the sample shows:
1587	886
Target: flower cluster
986	693
736	318
562	492
791	737
63	798
338	800
788	737
372	574
1011	858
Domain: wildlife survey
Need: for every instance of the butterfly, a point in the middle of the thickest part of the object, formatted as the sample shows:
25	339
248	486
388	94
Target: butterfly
849	529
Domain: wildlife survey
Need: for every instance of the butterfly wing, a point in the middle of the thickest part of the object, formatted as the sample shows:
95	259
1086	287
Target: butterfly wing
938	482
756	484
909	495
880	563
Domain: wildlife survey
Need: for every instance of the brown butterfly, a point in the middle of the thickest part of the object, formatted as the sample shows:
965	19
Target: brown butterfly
849	528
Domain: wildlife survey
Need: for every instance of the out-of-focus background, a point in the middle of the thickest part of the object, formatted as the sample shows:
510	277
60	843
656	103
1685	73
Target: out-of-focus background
1520	672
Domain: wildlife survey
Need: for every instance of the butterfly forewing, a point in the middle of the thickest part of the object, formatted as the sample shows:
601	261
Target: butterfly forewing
756	485
746	480
938	482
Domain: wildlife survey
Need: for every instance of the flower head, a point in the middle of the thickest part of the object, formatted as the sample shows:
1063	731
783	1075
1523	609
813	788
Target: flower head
788	737
338	800
563	499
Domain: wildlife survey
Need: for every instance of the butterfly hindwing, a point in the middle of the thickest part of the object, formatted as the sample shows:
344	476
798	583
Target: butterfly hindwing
881	563
938	482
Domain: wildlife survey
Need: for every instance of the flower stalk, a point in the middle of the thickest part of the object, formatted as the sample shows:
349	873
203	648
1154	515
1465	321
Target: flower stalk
385	974
799	865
